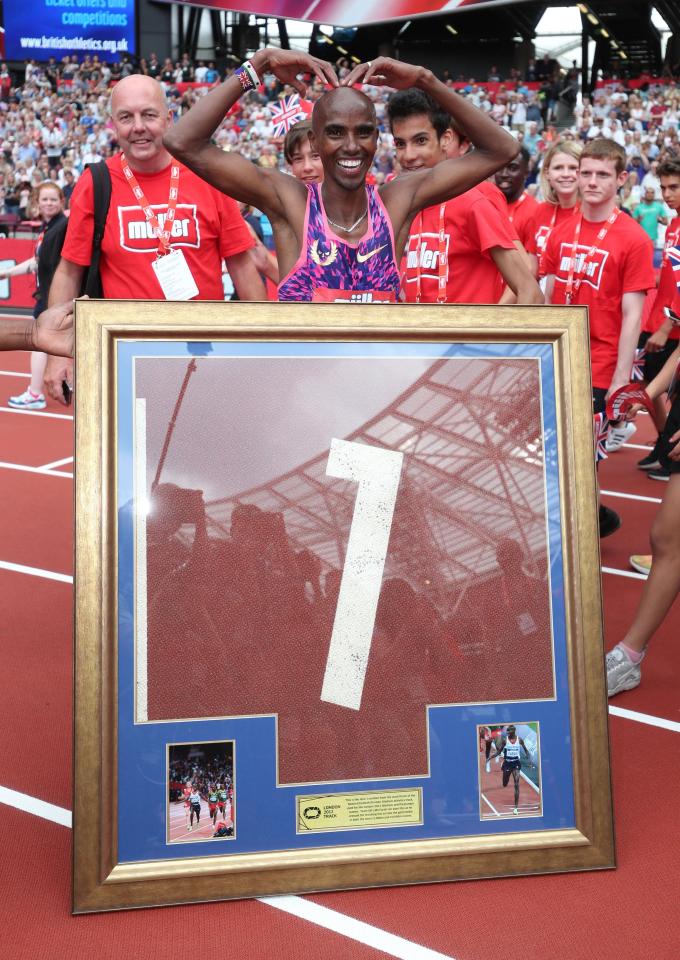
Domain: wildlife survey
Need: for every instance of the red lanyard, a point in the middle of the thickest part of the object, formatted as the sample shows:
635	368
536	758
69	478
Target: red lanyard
163	233
573	285
442	262
551	227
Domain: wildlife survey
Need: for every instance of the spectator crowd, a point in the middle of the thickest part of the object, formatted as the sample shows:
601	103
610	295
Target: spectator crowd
54	121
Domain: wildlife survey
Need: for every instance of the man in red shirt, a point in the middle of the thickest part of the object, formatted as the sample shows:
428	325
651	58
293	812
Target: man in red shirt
660	338
602	259
460	251
522	207
205	228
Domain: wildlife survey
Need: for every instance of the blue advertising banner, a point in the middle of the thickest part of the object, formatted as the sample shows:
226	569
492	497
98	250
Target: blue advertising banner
55	28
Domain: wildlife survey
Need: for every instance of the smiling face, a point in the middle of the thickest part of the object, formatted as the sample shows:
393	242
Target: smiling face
345	136
49	202
417	144
562	175
510	178
305	162
141	118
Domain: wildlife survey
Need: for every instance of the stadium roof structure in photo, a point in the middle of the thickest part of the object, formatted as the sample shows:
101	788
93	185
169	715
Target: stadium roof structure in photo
473	476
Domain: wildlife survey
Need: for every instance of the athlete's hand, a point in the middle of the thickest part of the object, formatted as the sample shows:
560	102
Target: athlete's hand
57	371
287	65
53	330
657	341
385	72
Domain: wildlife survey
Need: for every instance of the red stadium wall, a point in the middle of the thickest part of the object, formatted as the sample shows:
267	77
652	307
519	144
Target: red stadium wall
16	291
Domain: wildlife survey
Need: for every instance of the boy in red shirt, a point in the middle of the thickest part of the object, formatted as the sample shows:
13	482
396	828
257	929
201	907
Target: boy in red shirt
476	255
602	259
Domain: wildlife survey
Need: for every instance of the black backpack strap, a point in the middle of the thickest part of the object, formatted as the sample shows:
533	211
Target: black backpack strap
101	183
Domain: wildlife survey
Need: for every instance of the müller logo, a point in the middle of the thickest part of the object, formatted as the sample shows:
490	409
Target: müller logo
423	251
589	272
138	235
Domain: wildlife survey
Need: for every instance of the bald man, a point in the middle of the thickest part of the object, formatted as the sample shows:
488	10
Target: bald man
342	239
166	232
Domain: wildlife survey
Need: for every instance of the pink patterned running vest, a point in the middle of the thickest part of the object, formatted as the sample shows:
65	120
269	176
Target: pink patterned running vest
330	269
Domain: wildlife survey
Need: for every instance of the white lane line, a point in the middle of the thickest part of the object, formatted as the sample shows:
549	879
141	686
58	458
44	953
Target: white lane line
529	781
489	804
57	463
353	929
624	573
639	446
37	413
647	718
14	373
48	811
340	923
141	599
42	470
35	572
630	496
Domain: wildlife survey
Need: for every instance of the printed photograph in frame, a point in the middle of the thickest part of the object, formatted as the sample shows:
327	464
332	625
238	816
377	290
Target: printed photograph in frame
201	791
509	770
343	544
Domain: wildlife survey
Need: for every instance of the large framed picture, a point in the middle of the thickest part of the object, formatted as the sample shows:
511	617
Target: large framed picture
338	617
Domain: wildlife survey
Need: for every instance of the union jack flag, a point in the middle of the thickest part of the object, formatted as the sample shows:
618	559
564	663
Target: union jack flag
600	432
288	111
638	370
673	256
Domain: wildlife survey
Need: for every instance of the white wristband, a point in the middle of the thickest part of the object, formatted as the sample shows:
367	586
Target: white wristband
252	73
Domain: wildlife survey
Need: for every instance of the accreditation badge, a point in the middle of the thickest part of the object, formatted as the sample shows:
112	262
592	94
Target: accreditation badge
174	276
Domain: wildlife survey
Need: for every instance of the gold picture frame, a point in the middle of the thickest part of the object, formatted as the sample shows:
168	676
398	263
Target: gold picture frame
405	830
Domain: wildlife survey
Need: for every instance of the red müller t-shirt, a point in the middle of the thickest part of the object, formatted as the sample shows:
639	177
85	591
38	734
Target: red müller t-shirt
208	226
472	227
621	263
521	214
547	216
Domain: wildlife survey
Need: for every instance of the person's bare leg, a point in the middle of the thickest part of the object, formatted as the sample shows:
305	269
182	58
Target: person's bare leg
38	364
663	584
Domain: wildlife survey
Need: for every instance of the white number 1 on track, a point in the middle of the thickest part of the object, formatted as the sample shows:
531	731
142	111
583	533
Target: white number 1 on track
377	471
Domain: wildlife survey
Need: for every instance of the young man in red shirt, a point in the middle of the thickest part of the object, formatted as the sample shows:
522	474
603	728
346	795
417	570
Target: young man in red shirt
463	250
602	259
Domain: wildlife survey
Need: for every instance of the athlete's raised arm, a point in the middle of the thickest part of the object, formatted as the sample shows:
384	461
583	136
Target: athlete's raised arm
190	138
493	147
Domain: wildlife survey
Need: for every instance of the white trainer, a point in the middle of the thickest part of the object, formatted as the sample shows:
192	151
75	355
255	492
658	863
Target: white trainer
618	434
28	401
622	673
